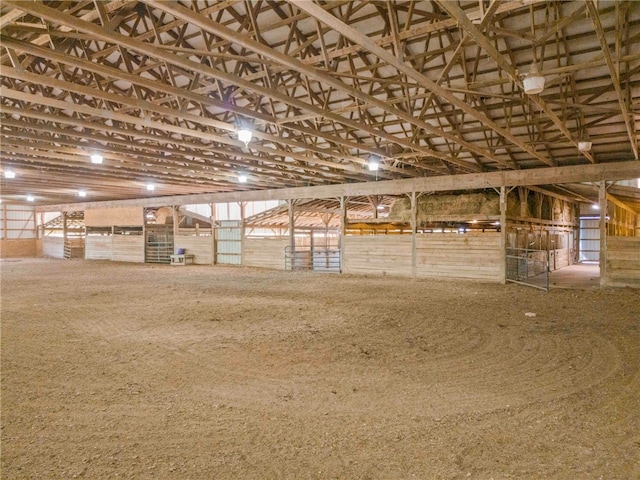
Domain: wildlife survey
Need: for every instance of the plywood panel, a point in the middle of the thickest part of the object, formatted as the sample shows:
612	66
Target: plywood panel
98	247
53	247
264	252
128	248
623	262
18	248
377	255
201	247
107	217
474	256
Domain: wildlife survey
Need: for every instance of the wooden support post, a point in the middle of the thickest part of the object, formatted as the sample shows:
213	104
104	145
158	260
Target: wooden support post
64	226
503	234
414	223
4	222
523	194
242	229
214	232
343	228
292	237
176	220
602	200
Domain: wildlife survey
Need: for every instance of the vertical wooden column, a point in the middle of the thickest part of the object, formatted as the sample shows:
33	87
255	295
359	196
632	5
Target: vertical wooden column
503	234
576	234
343	228
4	221
242	230
176	220
414	223
64	226
292	237
214	243
602	201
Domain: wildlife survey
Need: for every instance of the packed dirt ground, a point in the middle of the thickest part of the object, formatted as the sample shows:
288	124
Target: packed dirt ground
158	372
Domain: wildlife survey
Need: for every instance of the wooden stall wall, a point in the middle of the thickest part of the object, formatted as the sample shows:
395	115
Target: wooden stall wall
98	247
264	252
201	247
53	247
128	248
622	267
377	255
12	248
473	256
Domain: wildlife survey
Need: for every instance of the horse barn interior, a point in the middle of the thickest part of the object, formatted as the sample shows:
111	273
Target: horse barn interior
320	239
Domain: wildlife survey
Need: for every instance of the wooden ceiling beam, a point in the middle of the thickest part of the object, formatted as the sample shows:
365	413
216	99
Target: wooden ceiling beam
474	181
319	13
185	94
456	12
154	51
208	25
615	77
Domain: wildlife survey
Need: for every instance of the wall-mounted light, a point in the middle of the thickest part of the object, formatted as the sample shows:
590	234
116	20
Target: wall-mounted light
245	135
96	158
533	81
9	174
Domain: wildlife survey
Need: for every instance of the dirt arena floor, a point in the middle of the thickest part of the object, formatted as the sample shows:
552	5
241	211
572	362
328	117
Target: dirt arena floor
157	372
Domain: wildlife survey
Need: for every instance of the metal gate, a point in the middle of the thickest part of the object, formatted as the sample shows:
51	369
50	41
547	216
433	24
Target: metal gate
528	267
158	244
312	258
229	242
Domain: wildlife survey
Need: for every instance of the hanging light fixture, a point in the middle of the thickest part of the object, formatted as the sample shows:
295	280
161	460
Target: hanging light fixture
242	178
374	164
584	145
151	187
30	198
9	174
245	135
533	81
82	193
96	158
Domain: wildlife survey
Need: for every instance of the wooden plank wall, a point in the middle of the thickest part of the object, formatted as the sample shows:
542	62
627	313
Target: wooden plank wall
474	256
201	247
622	268
98	247
128	248
53	247
19	247
264	252
377	255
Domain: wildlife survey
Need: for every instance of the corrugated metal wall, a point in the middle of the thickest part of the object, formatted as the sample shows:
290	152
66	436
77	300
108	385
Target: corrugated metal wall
589	240
20	222
229	242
